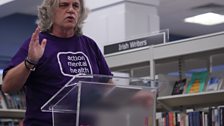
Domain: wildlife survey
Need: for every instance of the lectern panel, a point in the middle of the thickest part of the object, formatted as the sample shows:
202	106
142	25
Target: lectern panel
97	100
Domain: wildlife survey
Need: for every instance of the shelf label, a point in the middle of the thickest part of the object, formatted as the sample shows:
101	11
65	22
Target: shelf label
135	43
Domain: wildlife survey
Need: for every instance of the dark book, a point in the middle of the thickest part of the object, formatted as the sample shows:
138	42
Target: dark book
190	119
222	116
167	121
178	87
210	117
197	118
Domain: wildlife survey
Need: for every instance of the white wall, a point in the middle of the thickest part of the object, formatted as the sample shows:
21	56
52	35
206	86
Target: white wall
113	21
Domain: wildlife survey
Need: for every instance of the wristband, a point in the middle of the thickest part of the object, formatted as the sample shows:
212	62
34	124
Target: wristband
28	64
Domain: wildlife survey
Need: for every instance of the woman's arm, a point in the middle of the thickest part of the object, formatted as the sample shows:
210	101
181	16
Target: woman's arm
15	78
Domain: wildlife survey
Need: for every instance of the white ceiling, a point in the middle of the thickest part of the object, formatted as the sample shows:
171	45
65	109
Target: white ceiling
171	12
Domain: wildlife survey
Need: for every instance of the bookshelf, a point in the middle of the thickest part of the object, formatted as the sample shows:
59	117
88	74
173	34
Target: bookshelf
199	52
12	113
194	100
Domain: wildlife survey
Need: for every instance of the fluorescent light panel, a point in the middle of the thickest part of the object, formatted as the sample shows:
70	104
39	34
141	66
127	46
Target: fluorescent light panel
206	19
2	2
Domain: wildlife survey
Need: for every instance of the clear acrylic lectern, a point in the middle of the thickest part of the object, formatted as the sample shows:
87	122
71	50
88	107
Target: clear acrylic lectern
98	100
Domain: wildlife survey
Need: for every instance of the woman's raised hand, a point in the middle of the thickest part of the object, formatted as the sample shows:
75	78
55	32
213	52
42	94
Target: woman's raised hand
36	49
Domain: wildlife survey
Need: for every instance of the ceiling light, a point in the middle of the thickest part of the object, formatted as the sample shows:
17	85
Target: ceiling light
206	19
5	1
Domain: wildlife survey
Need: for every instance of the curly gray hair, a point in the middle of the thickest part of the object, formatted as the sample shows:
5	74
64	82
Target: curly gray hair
45	21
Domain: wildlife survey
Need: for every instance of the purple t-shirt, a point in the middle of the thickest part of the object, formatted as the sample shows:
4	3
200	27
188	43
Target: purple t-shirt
62	58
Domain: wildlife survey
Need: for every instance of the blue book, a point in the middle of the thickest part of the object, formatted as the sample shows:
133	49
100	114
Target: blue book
197	118
190	119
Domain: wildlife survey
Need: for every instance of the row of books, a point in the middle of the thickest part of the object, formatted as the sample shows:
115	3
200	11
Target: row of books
211	117
199	82
13	100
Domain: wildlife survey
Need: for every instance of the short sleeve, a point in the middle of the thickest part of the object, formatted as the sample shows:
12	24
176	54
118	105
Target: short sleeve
102	64
19	57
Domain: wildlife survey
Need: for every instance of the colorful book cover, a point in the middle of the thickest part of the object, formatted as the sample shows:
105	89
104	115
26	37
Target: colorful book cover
213	83
197	83
178	87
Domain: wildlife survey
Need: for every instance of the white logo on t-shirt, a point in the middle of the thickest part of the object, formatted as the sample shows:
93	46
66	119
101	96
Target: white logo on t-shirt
72	63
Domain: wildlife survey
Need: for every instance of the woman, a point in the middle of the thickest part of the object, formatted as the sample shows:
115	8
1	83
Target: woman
56	51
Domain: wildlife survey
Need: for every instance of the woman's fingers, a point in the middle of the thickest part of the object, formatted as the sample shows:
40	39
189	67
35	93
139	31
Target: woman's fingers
43	43
35	37
36	49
